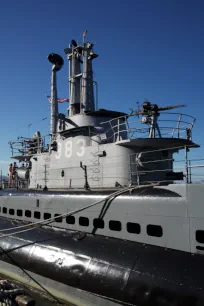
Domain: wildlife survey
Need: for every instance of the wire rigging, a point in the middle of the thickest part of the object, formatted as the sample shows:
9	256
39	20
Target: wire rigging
50	220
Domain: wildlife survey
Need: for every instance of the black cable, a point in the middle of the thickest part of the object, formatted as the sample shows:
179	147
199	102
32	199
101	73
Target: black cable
109	200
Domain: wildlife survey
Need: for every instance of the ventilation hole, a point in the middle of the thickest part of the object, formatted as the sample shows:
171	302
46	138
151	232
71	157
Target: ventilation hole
47	216
36	214
70	220
28	213
58	219
37	203
83	221
200	248
154	230
133	228
19	213
115	225
200	236
4	210
11	211
98	223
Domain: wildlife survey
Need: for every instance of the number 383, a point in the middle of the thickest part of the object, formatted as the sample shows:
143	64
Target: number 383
68	149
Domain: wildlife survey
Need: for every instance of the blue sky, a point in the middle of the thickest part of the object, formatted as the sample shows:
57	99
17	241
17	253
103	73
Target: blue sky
150	49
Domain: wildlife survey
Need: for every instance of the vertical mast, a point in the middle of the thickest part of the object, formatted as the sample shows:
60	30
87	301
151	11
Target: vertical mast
75	80
87	98
54	103
80	77
57	63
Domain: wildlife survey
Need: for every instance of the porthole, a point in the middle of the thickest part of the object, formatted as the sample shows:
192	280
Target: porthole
28	213
200	236
70	220
115	225
59	220
19	213
11	211
98	223
83	221
154	230
36	214
133	228
47	216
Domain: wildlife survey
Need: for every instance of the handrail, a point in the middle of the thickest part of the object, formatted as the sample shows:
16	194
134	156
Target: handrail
133	115
125	124
143	166
27	144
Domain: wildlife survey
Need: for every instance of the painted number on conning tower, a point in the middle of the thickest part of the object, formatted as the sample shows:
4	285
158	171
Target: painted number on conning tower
68	148
59	151
81	144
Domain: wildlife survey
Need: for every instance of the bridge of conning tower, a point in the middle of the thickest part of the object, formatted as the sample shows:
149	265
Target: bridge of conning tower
81	89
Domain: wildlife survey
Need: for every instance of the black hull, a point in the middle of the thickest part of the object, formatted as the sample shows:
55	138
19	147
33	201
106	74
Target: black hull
127	272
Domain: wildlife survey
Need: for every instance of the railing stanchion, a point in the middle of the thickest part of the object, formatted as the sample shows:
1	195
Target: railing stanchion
186	160
190	176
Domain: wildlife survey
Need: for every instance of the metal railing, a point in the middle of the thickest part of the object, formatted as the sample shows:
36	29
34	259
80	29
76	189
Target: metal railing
182	168
28	146
144	167
131	126
17	183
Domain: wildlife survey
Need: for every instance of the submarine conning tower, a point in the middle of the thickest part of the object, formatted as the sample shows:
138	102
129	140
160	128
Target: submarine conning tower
102	148
81	89
83	113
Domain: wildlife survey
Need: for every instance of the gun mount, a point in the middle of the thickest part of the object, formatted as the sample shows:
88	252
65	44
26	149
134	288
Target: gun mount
115	147
150	113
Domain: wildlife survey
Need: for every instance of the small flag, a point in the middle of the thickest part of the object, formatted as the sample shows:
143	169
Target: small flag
62	100
59	100
49	99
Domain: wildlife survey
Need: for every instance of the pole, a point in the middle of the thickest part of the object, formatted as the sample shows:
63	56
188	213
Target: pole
96	85
186	158
189	166
54	105
57	63
1	180
45	174
83	36
86	185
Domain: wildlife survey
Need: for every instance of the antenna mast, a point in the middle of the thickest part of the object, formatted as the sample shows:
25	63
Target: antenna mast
81	89
84	35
